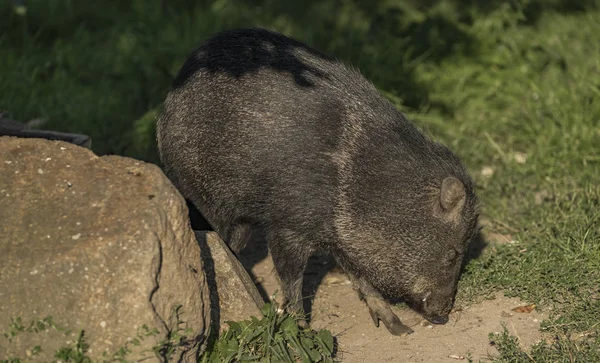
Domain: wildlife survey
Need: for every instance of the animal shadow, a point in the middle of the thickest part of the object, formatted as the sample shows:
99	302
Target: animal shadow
474	250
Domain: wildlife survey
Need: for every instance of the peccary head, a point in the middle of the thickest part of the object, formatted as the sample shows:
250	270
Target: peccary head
455	219
417	215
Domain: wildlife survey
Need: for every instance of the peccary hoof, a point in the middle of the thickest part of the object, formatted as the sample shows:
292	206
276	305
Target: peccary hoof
397	328
392	323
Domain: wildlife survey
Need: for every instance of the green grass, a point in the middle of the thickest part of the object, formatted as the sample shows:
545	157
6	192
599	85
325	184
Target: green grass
77	351
510	86
274	338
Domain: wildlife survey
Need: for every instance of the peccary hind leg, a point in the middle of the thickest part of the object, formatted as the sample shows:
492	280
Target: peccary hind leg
238	236
290	261
379	308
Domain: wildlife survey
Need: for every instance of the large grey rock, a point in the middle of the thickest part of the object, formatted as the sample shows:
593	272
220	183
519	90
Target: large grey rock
101	244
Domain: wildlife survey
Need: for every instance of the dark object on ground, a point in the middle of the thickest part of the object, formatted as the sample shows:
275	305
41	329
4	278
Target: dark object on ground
264	134
14	128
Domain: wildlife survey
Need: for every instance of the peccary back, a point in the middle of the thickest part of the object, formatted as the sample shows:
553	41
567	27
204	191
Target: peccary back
263	133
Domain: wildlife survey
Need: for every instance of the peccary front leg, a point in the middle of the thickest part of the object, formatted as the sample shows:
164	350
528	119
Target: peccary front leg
290	257
379	308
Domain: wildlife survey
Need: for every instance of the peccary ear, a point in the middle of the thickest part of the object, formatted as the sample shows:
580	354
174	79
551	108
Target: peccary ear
452	197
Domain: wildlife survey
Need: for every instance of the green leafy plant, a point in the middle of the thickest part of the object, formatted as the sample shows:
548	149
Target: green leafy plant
75	354
273	338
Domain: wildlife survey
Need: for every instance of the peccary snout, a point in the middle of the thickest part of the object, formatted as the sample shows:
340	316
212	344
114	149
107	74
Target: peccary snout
439	320
435	307
435	314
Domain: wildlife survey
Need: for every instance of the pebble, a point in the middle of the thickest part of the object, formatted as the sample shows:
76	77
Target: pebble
487	171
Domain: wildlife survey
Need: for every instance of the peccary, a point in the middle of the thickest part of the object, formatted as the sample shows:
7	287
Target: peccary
263	133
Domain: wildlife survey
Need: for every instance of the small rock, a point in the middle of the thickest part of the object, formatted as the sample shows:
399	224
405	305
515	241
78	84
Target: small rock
40	171
541	196
333	280
519	157
233	288
76	236
134	170
487	171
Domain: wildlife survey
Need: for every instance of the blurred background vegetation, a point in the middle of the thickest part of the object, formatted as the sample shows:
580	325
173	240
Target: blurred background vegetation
103	68
512	86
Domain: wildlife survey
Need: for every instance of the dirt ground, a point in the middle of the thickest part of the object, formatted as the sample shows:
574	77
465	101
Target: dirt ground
336	307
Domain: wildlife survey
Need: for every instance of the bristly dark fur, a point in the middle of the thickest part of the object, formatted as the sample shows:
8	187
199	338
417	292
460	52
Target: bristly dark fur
263	133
